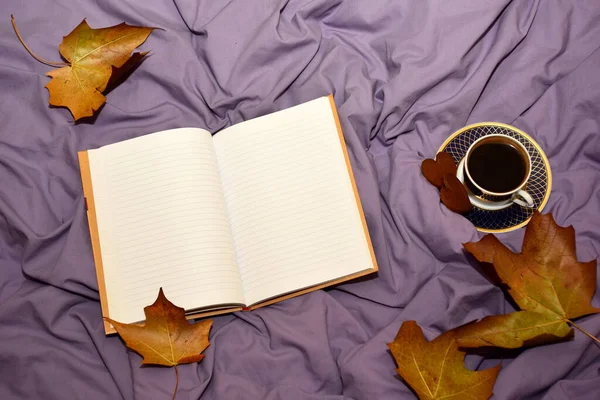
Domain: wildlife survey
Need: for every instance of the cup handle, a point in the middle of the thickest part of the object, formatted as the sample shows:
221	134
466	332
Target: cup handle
525	199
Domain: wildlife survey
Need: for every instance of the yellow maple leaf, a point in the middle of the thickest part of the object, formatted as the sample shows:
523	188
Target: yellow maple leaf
95	57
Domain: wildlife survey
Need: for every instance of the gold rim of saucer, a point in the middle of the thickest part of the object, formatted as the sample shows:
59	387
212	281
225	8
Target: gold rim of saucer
533	143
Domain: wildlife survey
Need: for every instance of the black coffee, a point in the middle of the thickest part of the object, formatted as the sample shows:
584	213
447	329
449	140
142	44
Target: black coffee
497	167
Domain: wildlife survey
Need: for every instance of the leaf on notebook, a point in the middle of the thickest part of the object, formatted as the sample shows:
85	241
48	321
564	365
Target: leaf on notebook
436	370
166	338
545	279
94	56
441	173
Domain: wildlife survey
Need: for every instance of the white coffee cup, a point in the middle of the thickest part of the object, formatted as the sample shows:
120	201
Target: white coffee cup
469	174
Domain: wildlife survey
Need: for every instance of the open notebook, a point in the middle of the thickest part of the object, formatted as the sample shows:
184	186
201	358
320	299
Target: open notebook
262	211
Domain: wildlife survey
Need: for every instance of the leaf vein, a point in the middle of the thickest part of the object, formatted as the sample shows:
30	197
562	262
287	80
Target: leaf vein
516	330
468	388
421	375
104	45
562	317
152	348
80	84
442	367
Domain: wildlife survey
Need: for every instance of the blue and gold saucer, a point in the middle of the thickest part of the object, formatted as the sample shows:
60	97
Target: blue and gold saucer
538	186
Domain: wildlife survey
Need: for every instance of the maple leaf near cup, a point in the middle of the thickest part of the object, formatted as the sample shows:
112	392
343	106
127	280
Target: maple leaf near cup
545	280
441	173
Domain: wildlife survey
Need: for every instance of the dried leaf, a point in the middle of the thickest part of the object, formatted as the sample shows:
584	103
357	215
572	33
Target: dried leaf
167	338
433	172
545	278
92	54
441	173
454	195
436	370
511	331
446	161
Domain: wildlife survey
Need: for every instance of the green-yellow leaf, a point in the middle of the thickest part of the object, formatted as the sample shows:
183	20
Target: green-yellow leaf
545	278
92	55
511	331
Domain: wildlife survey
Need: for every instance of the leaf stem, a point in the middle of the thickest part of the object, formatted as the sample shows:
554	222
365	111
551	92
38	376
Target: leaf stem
176	383
584	331
51	63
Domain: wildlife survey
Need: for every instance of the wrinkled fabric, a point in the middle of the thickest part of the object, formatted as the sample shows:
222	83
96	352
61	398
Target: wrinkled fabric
405	75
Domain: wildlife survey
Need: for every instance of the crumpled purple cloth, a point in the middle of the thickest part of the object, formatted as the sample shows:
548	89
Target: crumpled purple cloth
405	75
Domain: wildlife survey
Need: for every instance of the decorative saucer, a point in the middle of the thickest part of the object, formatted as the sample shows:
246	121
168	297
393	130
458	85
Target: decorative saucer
539	184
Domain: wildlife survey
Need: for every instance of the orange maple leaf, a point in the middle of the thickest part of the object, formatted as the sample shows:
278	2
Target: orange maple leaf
167	338
436	370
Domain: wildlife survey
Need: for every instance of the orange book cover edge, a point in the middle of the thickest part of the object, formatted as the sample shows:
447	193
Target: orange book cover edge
88	195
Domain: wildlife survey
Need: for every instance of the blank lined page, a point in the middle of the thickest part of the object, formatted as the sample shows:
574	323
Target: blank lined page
291	202
162	222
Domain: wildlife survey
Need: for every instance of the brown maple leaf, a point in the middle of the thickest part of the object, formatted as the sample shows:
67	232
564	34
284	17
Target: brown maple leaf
166	338
436	370
545	280
93	56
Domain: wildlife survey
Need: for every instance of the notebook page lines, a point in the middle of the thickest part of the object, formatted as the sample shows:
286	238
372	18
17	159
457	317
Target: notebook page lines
291	203
170	225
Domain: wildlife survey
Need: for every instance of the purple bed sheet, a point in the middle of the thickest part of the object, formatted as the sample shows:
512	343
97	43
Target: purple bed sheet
405	75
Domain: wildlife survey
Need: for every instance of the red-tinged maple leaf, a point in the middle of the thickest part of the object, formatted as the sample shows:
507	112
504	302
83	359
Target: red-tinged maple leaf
546	281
